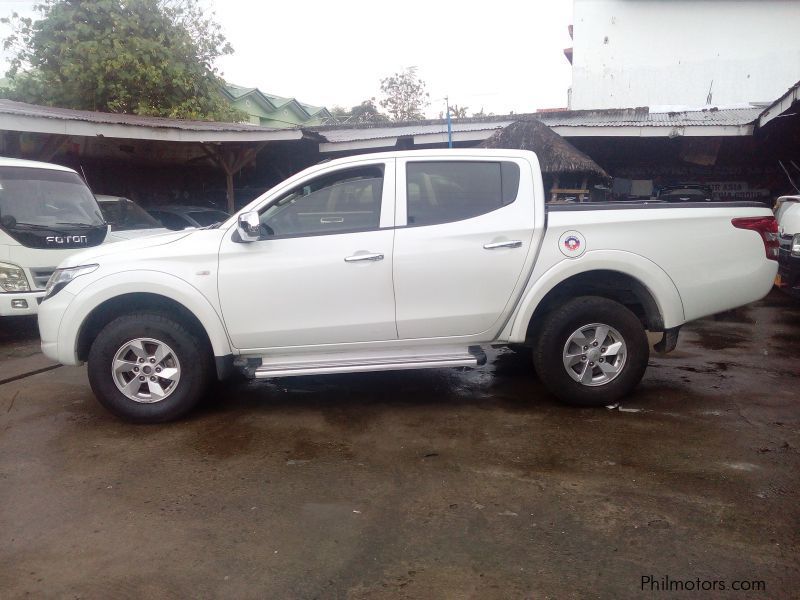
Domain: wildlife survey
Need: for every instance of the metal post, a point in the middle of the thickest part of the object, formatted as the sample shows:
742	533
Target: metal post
449	124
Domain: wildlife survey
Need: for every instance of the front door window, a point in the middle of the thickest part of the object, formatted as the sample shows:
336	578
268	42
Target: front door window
342	202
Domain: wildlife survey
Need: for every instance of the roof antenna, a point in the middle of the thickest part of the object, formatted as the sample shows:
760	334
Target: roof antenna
708	98
789	177
449	123
86	179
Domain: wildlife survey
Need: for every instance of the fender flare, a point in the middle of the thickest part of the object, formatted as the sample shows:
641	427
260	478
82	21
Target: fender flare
648	273
151	282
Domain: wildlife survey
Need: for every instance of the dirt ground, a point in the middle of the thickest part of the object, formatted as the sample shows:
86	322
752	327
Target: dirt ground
416	484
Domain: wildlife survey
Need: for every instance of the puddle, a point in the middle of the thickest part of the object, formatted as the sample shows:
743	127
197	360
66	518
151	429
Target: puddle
741	466
717	339
737	315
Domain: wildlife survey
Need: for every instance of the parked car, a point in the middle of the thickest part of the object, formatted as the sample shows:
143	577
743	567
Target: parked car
127	219
788	278
403	260
782	204
179	217
47	213
685	192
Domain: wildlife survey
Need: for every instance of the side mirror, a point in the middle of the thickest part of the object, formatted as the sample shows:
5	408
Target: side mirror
249	226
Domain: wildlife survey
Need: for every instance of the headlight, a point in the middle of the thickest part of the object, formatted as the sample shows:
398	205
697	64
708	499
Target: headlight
12	279
61	277
796	245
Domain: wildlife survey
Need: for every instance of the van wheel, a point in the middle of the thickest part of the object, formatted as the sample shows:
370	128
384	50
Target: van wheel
148	368
591	351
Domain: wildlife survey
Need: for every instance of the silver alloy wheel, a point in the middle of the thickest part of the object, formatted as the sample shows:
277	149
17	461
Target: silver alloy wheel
595	354
146	370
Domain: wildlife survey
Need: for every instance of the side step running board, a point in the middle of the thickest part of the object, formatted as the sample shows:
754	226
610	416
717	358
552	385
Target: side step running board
351	365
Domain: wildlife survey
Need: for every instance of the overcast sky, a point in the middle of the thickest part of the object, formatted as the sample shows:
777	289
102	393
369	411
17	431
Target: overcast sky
503	55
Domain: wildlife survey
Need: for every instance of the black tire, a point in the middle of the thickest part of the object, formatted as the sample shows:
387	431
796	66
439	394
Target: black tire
192	353
556	329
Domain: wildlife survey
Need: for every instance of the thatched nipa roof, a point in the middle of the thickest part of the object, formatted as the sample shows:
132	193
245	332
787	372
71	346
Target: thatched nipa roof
556	155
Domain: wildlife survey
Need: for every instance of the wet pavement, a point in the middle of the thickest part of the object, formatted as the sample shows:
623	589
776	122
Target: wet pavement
416	484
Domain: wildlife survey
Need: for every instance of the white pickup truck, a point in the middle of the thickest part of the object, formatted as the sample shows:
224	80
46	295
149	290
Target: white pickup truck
402	260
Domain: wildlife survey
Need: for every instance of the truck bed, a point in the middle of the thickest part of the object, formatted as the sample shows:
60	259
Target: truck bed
713	265
647	204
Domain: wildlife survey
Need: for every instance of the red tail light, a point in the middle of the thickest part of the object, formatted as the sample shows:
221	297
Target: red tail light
766	227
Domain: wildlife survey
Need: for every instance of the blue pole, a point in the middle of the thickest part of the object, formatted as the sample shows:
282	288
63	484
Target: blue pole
449	125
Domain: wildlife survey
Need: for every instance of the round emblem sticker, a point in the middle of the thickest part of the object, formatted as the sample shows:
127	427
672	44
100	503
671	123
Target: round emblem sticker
572	244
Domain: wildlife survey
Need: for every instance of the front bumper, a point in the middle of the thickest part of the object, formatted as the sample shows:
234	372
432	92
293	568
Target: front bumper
788	278
51	314
20	303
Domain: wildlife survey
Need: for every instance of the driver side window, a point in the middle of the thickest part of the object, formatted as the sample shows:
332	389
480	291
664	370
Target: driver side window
344	201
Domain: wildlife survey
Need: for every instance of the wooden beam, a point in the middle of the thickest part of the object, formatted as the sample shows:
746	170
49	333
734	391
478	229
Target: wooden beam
232	158
570	190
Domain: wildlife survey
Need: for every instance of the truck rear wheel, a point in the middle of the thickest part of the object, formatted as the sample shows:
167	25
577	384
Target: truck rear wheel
591	351
148	368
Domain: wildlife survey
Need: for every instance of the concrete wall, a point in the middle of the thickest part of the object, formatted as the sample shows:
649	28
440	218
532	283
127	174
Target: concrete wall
631	53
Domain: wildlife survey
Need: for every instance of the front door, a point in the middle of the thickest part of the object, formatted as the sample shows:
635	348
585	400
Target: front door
322	271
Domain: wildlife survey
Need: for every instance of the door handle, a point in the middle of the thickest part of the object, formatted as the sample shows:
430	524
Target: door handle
331	220
360	257
495	245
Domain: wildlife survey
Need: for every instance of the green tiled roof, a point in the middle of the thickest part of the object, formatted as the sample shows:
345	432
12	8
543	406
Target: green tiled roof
273	106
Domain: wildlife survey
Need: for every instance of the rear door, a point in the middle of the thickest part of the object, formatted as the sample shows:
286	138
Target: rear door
465	228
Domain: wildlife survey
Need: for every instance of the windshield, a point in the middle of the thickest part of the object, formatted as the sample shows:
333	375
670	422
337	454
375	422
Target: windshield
124	215
44	198
208	217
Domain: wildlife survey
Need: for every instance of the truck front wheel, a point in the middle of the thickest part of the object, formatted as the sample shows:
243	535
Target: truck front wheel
591	351
148	368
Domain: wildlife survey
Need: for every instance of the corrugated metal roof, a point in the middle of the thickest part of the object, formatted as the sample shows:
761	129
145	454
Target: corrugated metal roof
781	105
18	116
402	129
632	117
638	117
9	107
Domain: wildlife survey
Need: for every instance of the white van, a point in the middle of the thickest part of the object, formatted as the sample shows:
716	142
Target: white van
47	213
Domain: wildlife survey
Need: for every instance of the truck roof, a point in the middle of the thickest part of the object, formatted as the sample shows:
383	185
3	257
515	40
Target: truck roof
434	154
32	164
441	153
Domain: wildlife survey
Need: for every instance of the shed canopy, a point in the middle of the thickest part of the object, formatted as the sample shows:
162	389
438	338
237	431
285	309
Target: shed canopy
556	155
32	118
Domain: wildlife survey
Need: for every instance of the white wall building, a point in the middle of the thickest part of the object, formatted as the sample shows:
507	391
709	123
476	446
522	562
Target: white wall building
630	53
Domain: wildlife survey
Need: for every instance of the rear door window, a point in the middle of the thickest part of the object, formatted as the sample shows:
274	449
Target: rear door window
446	191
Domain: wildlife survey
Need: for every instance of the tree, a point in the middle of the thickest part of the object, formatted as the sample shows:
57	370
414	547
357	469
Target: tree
456	112
366	112
404	95
146	57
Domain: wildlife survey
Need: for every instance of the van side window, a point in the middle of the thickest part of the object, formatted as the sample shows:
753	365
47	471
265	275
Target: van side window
344	201
445	191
